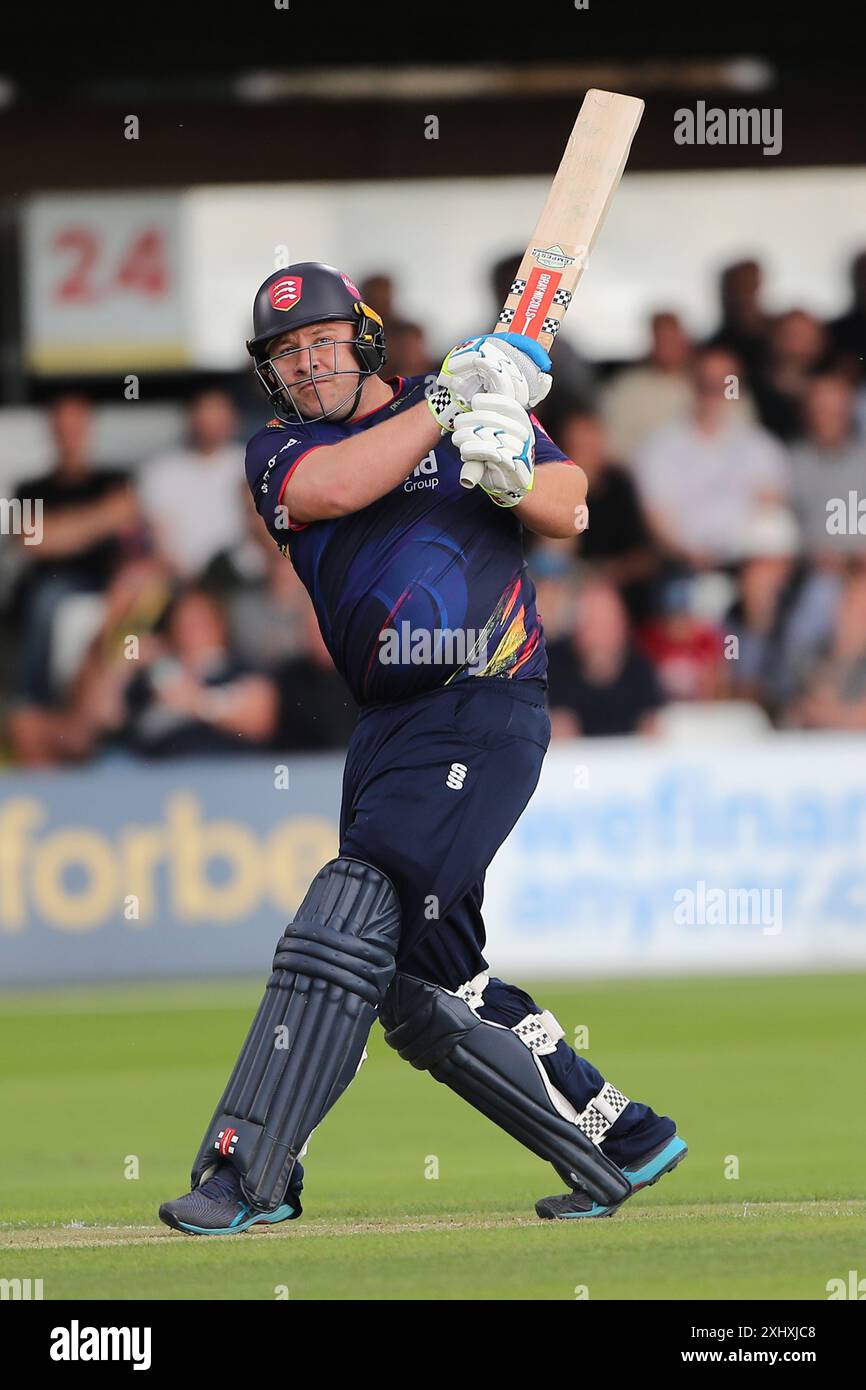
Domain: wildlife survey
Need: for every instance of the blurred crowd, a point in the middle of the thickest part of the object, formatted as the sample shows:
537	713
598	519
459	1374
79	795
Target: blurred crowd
725	557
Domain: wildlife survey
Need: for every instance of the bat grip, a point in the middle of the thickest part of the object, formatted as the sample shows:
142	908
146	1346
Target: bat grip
471	474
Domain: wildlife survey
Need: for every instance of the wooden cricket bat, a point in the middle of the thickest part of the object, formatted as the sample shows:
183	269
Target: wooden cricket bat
577	204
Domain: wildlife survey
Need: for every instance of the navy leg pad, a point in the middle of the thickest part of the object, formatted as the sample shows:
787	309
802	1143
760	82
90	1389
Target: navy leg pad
495	1072
331	970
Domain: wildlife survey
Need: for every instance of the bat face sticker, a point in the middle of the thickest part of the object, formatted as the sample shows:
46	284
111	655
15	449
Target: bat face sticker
552	257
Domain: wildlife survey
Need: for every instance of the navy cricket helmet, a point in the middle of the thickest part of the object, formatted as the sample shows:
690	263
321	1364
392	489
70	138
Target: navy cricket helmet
302	294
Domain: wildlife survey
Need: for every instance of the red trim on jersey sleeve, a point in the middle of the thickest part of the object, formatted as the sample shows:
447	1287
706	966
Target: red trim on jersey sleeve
546	449
296	525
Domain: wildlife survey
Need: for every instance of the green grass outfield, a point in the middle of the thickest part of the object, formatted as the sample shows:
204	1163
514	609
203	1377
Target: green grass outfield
765	1072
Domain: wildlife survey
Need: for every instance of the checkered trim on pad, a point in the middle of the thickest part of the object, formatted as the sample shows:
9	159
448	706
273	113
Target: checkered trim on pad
539	1032
472	992
602	1112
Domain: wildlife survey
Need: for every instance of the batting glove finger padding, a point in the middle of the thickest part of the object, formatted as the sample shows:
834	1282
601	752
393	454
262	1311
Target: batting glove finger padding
496	437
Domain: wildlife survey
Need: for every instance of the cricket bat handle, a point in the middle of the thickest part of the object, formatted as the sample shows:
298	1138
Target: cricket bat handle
471	474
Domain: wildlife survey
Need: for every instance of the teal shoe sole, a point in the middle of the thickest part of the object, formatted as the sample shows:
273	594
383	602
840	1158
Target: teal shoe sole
245	1218
645	1174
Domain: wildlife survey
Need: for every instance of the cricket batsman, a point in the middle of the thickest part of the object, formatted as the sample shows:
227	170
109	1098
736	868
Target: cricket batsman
424	602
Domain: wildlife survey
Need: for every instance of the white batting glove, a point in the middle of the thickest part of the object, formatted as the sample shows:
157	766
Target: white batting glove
496	443
504	364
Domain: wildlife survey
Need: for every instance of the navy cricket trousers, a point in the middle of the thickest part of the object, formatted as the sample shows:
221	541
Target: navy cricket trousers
431	788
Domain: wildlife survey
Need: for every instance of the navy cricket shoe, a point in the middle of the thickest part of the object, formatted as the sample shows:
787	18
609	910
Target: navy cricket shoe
641	1172
217	1207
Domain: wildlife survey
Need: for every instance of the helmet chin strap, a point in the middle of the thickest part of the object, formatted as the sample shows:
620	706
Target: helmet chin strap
357	397
362	377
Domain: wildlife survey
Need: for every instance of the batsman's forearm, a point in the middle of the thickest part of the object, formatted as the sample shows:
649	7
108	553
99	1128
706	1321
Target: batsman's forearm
341	478
556	506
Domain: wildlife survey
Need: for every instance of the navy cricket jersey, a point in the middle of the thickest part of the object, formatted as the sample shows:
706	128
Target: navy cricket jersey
398	585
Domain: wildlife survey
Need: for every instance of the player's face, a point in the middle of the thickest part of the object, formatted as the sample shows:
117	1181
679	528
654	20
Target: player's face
318	365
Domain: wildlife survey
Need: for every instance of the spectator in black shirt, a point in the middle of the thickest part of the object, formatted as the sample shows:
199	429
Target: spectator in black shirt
617	541
798	348
848	333
316	710
744	325
88	516
599	683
